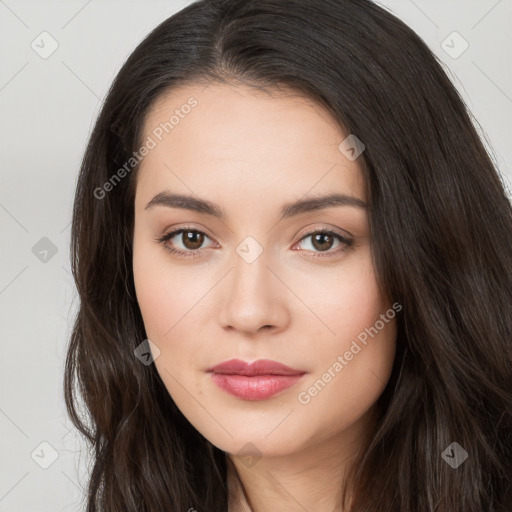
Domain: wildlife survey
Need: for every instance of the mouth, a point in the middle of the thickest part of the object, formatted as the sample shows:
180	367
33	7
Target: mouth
254	381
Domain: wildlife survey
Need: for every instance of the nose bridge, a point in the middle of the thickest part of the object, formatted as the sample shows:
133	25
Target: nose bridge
252	297
249	274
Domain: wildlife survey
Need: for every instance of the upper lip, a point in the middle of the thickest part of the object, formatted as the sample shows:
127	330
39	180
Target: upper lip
259	367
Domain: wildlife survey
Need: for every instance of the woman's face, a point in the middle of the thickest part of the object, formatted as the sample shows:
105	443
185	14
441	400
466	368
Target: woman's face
249	281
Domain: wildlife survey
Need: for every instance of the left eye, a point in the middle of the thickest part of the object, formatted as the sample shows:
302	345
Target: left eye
322	241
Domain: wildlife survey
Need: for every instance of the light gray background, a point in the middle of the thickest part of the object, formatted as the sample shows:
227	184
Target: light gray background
48	107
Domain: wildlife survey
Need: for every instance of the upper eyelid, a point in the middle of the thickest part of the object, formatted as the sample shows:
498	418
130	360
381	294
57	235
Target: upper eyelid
174	232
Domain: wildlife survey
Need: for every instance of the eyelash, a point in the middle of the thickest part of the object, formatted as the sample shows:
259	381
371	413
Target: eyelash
194	254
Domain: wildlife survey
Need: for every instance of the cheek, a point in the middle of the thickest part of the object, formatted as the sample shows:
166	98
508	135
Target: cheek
354	360
170	301
344	300
351	377
166	298
164	293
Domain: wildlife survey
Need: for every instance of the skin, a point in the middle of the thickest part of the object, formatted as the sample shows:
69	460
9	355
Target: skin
251	153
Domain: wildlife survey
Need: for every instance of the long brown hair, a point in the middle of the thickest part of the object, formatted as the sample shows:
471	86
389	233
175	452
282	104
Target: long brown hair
441	226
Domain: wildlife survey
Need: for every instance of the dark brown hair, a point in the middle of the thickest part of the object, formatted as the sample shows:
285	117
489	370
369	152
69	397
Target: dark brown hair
441	226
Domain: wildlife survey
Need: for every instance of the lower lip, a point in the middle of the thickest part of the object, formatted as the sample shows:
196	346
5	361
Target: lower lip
257	387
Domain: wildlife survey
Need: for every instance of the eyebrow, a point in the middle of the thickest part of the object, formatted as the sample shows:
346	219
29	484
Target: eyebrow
289	210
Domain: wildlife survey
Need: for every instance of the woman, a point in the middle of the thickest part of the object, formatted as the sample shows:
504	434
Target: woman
293	257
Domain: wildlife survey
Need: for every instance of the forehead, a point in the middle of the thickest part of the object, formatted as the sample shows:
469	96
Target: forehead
237	137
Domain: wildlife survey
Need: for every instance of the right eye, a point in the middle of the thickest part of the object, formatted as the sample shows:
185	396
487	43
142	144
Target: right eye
190	239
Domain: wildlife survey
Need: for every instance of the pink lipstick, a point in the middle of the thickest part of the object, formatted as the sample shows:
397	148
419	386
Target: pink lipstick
256	381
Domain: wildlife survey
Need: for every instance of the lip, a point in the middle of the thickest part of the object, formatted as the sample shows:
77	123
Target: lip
259	367
254	381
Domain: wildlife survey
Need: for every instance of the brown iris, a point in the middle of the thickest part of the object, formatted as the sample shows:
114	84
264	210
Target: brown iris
322	241
192	239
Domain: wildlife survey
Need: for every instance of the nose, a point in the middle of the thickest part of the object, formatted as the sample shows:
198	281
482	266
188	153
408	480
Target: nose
252	298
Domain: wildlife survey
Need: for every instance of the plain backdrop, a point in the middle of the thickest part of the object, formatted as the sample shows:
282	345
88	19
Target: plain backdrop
48	105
